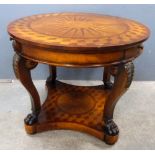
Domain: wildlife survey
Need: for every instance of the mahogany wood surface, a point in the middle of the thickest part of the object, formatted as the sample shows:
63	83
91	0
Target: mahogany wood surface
78	31
76	40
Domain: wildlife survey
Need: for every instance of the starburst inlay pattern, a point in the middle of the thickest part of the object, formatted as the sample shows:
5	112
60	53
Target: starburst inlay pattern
78	30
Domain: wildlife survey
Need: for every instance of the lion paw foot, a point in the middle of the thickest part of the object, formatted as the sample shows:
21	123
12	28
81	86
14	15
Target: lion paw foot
111	128
31	119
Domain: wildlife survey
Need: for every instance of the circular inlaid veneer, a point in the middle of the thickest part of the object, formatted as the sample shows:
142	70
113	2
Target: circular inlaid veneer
76	103
78	31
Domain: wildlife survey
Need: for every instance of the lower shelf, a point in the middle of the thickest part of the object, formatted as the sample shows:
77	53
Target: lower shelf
72	107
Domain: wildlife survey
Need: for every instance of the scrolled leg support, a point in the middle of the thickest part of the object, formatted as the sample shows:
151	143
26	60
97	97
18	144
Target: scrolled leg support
22	69
106	78
123	75
53	74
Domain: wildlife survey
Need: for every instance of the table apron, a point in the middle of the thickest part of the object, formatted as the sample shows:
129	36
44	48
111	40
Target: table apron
69	59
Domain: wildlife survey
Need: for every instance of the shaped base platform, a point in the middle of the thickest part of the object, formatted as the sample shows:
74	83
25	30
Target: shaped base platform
73	107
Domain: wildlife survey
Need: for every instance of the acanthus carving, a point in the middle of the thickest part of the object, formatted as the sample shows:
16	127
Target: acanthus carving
16	46
16	59
130	73
28	64
113	71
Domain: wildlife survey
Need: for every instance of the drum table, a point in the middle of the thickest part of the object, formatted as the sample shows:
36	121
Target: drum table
76	40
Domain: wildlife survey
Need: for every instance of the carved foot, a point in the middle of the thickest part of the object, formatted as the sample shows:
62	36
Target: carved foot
111	128
31	119
111	132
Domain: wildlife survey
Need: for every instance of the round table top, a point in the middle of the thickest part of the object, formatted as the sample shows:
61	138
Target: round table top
78	31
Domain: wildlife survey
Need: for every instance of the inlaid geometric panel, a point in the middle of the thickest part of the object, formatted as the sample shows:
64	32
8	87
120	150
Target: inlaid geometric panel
74	104
78	30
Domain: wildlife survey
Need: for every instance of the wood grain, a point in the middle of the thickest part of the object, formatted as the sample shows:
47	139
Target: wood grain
78	31
72	107
76	40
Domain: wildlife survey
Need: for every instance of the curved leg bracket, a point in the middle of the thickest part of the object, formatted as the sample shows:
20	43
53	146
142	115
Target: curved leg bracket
123	75
106	78
53	74
22	69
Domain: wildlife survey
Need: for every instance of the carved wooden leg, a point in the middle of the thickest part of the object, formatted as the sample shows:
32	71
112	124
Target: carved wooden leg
22	69
106	78
53	74
123	74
